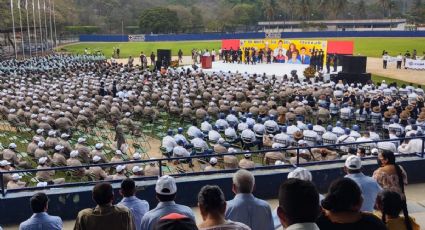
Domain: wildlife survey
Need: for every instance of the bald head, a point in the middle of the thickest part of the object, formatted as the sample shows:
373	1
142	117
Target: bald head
243	181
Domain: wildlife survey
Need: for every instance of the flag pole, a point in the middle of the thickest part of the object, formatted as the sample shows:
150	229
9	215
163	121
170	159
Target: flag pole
28	27
50	22
35	27
13	27
41	31
45	25
54	23
22	31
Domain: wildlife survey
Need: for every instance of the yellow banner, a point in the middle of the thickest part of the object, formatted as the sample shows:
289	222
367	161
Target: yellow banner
284	51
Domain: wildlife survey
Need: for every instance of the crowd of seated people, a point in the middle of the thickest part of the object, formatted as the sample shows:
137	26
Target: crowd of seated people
356	201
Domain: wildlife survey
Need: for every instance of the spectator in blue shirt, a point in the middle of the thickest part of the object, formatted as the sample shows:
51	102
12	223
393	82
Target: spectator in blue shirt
40	220
137	207
245	208
369	187
166	190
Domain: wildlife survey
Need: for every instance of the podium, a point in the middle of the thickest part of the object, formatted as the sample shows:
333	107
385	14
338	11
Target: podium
206	62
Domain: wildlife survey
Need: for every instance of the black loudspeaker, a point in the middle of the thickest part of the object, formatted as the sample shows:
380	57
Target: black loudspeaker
354	64
164	56
349	78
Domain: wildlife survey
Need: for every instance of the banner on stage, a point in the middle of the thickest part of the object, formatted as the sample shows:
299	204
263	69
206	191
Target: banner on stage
415	64
285	51
136	37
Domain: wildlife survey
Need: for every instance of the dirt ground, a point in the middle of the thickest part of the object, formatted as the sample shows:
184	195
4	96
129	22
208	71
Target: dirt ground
374	66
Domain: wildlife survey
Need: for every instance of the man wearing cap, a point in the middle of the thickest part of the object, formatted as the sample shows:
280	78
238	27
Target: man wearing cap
32	146
137	172
137	207
246	162
40	219
175	221
370	188
58	158
98	152
168	142
212	167
105	215
5	167
166	190
117	158
245	208
120	173
15	183
51	140
47	176
9	154
73	161
63	124
83	150
63	140
96	171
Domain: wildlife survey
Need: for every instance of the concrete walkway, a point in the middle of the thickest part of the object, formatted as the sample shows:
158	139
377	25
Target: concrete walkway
415	196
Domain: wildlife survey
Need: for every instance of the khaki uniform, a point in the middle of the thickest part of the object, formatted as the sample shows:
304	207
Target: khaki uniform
31	148
48	175
246	164
39	153
10	156
84	152
6	177
271	157
219	149
15	184
118	176
76	162
230	162
98	173
211	168
100	154
104	217
58	159
51	142
151	170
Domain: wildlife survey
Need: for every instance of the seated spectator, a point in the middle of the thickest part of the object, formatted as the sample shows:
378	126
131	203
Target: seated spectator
390	175
166	190
137	207
104	215
16	182
390	204
342	209
298	205
369	187
40	219
245	208
175	221
212	206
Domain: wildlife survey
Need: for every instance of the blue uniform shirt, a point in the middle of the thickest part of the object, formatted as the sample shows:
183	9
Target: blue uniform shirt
370	189
42	221
137	207
162	209
247	209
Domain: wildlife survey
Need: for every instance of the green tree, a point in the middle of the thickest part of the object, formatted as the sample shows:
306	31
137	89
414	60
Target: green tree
245	14
159	20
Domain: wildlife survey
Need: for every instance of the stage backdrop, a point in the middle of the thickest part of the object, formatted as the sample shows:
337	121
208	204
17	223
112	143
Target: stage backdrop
287	51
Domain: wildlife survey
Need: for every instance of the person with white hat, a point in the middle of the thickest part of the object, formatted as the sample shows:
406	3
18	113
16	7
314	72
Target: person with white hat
16	182
83	150
40	219
51	140
120	173
74	161
39	134
272	156
370	188
98	152
40	151
9	154
137	172
5	167
166	190
47	176
118	157
64	141
96	171
152	168
213	163
32	146
246	162
58	158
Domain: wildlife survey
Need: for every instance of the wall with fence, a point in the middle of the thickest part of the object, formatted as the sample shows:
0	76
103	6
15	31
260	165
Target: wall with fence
250	35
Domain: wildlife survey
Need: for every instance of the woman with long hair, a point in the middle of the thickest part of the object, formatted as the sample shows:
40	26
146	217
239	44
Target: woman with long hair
390	204
390	175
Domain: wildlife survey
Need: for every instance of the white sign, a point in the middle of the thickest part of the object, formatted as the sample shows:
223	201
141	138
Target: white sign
415	64
136	37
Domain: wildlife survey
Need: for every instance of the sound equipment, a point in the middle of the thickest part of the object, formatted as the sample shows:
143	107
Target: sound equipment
354	64
164	56
349	78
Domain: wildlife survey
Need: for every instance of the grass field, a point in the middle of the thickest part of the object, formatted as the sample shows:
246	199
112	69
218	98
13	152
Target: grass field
371	47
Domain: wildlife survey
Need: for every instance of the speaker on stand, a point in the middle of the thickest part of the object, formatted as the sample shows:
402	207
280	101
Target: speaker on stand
353	70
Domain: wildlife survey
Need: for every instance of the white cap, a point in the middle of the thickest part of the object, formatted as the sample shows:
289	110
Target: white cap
96	159
247	155
51	133
39	131
353	163
64	135
12	146
213	160
220	141
374	151
98	146
166	185
279	162
301	173
136	169
42	160
277	145
74	153
81	140
41	184
4	163
118	152
120	168
16	176
41	144
231	150
58	147
137	156
127	114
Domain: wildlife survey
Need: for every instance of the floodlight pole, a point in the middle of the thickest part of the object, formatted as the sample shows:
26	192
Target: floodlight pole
13	27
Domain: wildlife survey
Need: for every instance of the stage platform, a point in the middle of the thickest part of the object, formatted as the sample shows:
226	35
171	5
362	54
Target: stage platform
277	69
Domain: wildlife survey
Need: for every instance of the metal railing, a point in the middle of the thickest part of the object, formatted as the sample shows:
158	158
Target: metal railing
190	158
